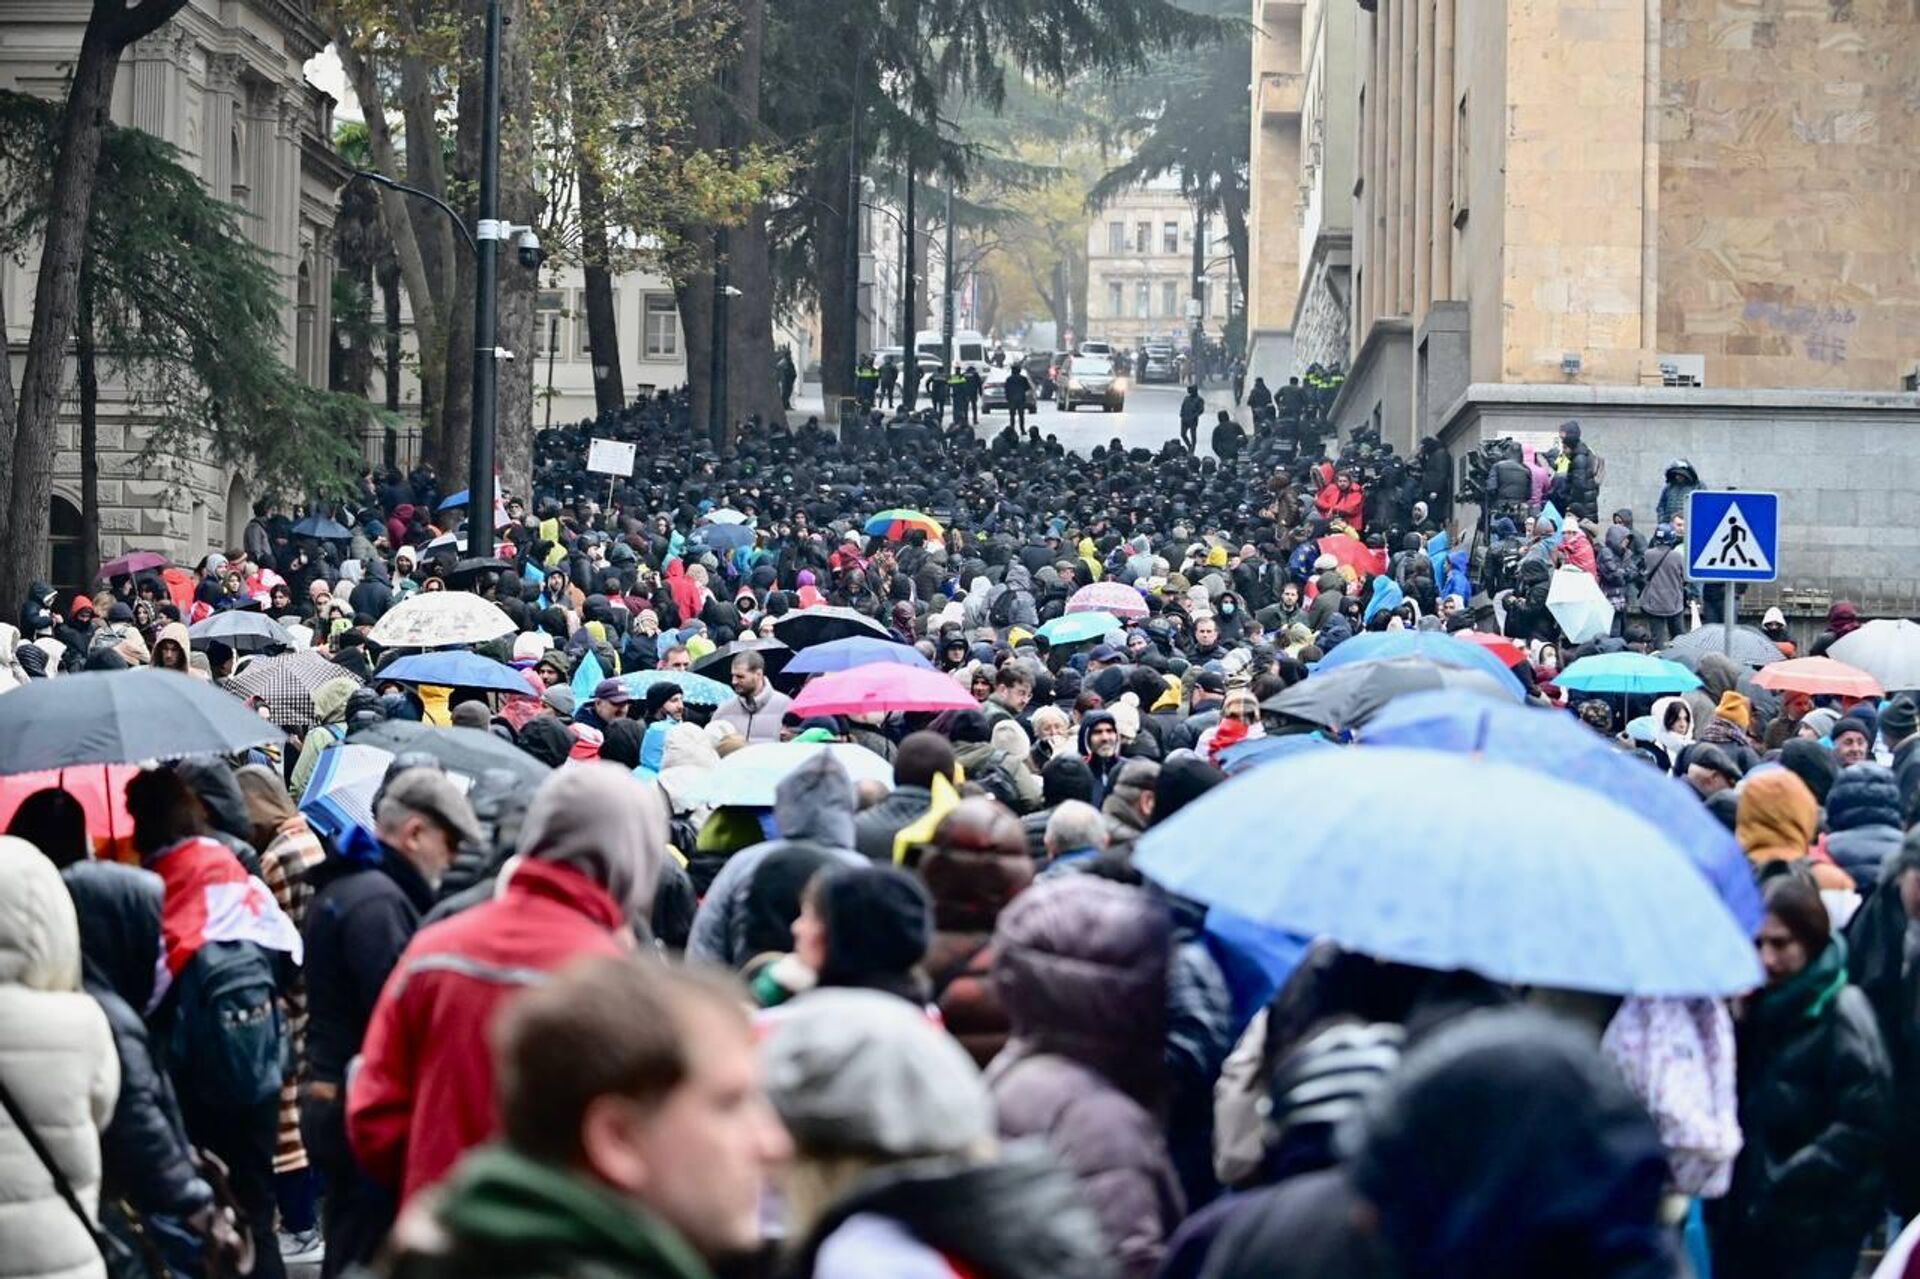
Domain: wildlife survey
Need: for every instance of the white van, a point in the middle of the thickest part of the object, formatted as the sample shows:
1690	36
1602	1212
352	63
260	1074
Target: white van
969	346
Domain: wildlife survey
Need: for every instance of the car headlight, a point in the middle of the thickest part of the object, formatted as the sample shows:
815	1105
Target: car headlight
1072	384
1120	385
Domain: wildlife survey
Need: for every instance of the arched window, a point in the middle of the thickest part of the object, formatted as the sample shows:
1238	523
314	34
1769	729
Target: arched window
69	570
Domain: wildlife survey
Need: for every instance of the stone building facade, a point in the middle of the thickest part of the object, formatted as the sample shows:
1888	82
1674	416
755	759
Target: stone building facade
1301	219
223	82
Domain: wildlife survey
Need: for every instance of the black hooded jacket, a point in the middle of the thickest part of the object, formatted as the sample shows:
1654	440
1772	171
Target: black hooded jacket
144	1152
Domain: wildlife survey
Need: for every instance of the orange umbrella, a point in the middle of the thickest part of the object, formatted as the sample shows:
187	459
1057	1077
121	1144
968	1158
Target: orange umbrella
1816	676
1351	551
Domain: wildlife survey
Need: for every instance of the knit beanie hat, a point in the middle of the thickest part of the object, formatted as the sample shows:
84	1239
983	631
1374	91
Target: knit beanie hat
1900	720
1850	724
1734	706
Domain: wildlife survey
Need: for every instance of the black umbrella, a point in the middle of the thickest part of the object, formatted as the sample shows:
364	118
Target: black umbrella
466	572
467	751
1348	697
1751	647
243	632
122	717
807	627
715	664
324	528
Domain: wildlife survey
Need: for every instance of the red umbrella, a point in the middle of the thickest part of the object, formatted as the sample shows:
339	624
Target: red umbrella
882	687
1499	645
1351	551
134	562
102	792
1816	676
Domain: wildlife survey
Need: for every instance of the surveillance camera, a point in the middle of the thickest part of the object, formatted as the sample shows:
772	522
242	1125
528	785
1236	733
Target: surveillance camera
531	254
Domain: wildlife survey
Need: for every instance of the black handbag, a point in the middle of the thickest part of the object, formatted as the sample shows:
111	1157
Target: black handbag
121	1260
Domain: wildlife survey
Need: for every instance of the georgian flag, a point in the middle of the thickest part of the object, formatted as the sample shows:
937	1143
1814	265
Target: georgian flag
210	897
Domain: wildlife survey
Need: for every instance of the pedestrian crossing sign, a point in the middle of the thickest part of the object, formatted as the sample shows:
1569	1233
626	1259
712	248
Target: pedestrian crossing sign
1733	537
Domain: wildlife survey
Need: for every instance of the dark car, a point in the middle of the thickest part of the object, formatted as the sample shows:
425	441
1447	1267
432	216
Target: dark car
1091	379
1039	366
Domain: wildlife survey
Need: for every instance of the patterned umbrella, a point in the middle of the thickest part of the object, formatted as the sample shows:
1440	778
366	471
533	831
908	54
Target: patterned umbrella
697	689
1351	551
439	620
1751	647
286	683
895	524
1116	598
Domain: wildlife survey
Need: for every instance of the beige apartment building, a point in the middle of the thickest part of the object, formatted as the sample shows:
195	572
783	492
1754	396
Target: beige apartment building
1692	227
1140	269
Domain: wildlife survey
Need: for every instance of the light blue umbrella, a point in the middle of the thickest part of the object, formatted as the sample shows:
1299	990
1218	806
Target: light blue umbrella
1435	646
1258	752
697	689
1557	744
455	668
1077	628
322	527
1517	876
724	537
1626	675
855	650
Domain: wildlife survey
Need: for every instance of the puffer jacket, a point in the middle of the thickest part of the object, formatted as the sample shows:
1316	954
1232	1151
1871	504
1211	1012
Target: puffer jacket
977	863
1814	1105
58	1063
1081	970
1863	818
813	808
144	1151
874	829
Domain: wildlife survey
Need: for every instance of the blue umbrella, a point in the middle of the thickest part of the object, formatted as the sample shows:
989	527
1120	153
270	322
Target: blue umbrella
1554	743
1626	674
452	500
1077	628
1434	646
698	689
1257	752
724	537
1566	889
456	668
323	527
854	650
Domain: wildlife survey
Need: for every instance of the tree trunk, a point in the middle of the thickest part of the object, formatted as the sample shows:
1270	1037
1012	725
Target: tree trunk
25	554
520	205
603	325
1235	210
8	413
87	366
456	441
693	293
752	387
390	303
827	185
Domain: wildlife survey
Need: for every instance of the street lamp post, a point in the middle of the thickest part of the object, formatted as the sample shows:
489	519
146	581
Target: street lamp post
909	322
491	230
853	231
946	295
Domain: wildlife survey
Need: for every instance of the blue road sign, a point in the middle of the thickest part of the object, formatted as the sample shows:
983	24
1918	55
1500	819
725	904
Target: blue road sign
1733	537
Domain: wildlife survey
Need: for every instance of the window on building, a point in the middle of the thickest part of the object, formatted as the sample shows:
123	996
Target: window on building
1116	296
1170	237
662	327
1116	237
549	323
1143	237
1169	297
64	531
582	340
1462	161
1143	299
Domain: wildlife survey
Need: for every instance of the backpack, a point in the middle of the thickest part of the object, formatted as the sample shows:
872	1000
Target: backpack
228	1043
1000	610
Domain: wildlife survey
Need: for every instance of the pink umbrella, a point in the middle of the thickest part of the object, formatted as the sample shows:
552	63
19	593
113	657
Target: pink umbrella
882	687
1108	597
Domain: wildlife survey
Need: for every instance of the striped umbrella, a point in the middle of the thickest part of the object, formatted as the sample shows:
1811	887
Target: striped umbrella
1116	598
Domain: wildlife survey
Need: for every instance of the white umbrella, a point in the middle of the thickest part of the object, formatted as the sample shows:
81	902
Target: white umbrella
727	515
438	618
751	774
1887	649
1576	602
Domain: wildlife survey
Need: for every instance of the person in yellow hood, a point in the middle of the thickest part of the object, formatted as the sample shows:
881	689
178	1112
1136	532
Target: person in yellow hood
1778	820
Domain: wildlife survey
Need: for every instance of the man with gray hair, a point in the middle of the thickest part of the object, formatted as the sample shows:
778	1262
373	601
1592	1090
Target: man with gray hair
590	856
756	707
368	901
1075	832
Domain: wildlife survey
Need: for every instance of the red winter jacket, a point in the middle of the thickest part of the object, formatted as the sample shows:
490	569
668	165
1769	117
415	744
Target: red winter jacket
1348	507
422	1093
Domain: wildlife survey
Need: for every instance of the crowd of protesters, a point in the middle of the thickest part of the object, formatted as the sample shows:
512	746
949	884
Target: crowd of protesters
612	1022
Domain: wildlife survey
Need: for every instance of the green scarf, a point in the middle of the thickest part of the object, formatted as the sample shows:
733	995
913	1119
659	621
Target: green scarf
1808	994
499	1201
